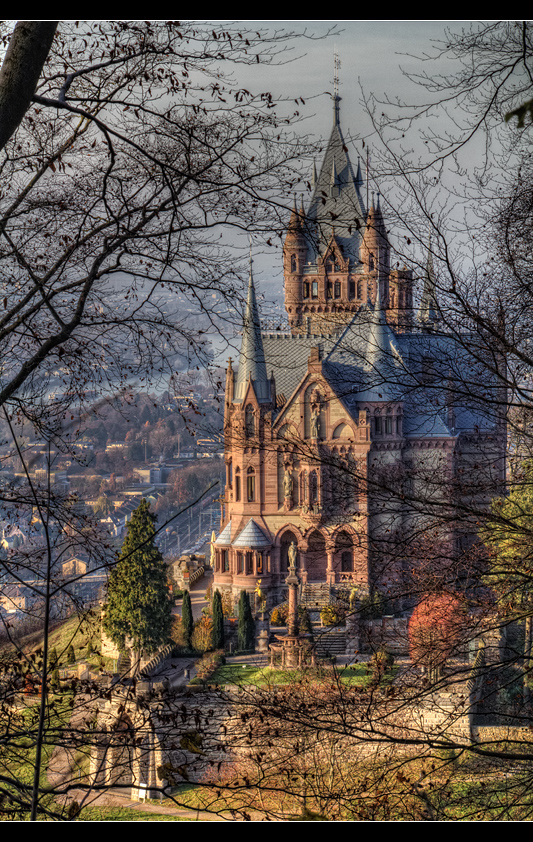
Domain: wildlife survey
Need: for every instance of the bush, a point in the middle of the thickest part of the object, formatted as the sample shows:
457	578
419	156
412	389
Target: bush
379	664
331	615
202	636
279	615
208	664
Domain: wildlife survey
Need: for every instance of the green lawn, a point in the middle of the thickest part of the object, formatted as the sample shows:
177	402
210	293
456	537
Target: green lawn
125	814
244	674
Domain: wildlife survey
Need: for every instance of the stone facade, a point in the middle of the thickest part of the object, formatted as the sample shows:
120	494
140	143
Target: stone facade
351	435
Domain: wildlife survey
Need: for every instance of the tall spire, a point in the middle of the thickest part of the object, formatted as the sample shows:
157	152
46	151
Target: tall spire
252	358
336	97
428	312
336	194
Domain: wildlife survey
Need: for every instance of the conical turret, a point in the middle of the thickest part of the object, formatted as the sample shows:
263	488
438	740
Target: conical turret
252	358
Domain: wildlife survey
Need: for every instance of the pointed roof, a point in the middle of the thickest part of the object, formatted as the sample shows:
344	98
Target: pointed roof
381	353
224	539
375	240
252	357
336	198
252	536
428	312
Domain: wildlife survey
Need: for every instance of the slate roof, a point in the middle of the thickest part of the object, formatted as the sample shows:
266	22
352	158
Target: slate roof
368	361
342	206
252	536
224	539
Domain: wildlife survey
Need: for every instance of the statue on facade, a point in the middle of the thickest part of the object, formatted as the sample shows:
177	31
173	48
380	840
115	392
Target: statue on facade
292	555
288	483
315	422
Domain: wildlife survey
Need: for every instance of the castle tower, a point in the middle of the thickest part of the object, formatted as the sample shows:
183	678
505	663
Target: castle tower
335	254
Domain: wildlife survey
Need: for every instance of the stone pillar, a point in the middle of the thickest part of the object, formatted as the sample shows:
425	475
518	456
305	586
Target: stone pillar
330	573
136	773
98	763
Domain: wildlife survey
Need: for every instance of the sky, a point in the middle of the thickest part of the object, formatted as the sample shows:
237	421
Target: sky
373	57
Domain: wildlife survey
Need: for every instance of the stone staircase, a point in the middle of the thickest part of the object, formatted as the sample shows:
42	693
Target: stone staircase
124	664
315	595
330	642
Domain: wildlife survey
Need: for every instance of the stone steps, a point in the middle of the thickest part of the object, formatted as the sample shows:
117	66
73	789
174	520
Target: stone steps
330	642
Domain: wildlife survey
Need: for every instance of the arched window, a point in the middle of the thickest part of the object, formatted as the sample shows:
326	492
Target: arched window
388	423
399	422
293	263
314	289
237	484
337	289
250	484
303	489
313	488
378	429
249	421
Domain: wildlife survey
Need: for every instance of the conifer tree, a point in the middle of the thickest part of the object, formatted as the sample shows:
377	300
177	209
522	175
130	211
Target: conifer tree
218	622
187	619
138	610
246	630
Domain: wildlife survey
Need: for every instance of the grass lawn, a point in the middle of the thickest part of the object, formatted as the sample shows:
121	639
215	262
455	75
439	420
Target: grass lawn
125	814
245	674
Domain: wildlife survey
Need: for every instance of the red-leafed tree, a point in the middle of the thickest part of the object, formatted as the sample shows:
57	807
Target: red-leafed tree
435	628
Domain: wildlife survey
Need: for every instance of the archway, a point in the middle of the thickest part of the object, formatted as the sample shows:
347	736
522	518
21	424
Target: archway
315	558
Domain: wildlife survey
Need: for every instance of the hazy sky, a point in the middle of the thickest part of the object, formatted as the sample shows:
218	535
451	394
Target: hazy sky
372	55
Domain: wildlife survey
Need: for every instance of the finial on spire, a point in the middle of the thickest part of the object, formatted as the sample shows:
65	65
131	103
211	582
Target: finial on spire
336	97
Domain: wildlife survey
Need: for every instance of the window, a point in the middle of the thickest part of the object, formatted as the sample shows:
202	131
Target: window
314	289
250	485
249	421
337	289
293	263
237	484
377	423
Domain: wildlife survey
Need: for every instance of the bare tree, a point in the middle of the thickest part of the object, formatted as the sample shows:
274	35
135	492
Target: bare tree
122	183
26	54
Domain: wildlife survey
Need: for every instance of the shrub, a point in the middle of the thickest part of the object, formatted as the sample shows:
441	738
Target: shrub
279	614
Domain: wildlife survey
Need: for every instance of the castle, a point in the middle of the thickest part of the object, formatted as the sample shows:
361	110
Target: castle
361	434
